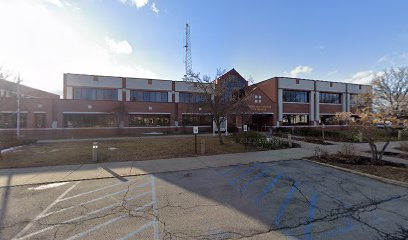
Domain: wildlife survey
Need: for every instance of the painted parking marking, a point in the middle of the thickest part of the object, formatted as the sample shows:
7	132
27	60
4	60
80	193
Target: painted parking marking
152	204
31	223
268	188
252	180
311	213
285	204
230	170
96	190
76	236
243	174
138	230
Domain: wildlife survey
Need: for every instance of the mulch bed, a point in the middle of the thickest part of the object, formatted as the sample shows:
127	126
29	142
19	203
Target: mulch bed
385	169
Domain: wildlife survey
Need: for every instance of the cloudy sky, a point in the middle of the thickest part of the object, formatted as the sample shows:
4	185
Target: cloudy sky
343	40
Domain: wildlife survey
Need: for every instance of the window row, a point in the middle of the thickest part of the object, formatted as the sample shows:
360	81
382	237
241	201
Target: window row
9	120
95	94
330	98
185	97
148	96
295	119
295	96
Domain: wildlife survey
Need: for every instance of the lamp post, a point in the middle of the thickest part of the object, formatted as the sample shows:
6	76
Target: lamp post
95	151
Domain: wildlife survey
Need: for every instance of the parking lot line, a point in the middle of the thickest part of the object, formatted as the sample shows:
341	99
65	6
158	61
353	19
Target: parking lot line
82	216
256	177
96	190
106	223
31	223
311	213
268	188
285	204
242	174
155	212
138	230
93	200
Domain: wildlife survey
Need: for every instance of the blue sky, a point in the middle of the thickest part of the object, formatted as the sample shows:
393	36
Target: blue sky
328	40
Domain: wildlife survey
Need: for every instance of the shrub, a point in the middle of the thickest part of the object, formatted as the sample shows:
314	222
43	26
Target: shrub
260	141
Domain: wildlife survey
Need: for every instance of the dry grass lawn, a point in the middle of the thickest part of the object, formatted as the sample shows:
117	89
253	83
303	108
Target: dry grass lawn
49	154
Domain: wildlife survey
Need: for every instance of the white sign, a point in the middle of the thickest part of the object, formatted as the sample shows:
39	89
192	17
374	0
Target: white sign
195	130
245	128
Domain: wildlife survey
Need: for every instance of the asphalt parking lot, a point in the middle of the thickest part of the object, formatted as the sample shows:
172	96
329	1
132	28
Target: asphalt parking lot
278	200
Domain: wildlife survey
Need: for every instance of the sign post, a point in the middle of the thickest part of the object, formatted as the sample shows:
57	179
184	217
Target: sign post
245	134
195	131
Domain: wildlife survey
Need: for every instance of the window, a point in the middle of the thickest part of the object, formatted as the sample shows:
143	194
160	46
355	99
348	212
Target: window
9	120
297	81
334	98
39	120
295	96
258	99
196	120
76	120
147	96
185	97
149	81
149	120
295	119
95	94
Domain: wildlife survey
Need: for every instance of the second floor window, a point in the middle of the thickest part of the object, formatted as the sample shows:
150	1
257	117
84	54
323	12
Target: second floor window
330	98
185	97
295	96
95	94
148	96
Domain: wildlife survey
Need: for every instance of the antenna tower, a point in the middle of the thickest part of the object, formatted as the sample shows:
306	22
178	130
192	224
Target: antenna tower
188	61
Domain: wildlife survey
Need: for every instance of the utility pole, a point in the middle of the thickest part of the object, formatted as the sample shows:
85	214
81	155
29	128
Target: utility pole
18	105
188	60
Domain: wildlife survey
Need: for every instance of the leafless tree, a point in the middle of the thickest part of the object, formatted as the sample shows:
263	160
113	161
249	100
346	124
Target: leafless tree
390	92
222	96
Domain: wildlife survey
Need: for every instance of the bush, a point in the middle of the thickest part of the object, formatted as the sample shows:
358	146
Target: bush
261	141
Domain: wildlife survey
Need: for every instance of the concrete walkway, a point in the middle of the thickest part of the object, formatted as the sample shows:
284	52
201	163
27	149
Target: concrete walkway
37	175
24	176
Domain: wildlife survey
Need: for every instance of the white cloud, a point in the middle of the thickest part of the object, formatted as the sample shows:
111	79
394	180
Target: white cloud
155	9
299	70
383	59
42	46
137	3
57	3
363	77
121	47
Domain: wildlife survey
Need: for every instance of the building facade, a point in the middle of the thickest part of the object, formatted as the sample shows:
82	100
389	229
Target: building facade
105	105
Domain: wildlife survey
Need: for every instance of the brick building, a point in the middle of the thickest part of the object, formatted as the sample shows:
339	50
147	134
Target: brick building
106	105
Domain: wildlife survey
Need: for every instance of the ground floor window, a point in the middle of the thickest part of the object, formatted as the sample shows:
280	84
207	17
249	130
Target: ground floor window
196	120
149	120
39	120
9	120
89	120
295	119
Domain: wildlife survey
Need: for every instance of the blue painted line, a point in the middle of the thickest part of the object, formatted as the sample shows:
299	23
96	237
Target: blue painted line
244	173
285	204
311	213
230	170
268	188
256	177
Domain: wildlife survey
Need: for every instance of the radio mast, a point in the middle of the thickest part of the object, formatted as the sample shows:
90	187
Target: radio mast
188	61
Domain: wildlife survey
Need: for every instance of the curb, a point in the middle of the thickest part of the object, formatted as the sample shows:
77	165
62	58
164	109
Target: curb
382	179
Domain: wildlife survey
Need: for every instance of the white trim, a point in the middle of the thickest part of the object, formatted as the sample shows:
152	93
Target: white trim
39	112
94	128
13	112
88	112
336	104
296	113
297	102
149	113
256	113
195	113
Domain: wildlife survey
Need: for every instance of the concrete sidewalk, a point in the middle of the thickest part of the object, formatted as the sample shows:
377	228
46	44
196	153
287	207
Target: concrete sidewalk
37	175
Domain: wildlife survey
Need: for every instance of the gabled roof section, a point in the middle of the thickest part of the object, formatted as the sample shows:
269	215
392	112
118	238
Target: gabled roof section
232	72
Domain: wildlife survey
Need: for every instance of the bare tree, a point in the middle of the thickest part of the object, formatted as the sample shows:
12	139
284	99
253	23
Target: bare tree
390	92
222	96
